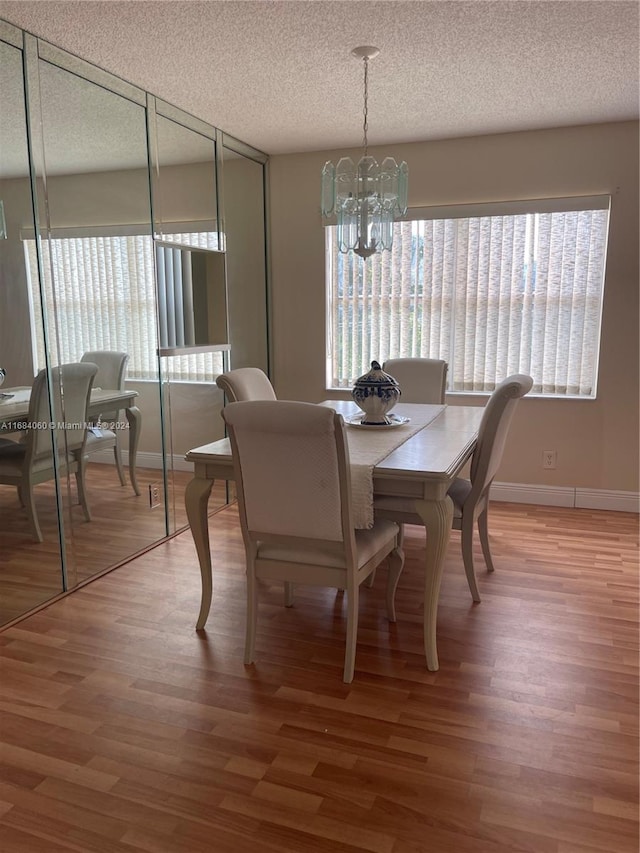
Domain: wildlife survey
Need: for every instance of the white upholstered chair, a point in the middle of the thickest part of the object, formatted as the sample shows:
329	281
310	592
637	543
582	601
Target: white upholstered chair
421	380
30	461
112	368
471	497
246	383
293	481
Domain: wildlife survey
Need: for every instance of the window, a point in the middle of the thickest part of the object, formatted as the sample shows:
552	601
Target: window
516	289
104	298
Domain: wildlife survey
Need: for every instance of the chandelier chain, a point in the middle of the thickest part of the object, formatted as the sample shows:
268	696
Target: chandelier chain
365	126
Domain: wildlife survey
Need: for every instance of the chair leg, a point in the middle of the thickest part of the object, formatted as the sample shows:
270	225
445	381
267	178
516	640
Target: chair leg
396	564
467	555
288	594
353	598
252	616
21	496
30	506
82	492
483	530
370	580
117	453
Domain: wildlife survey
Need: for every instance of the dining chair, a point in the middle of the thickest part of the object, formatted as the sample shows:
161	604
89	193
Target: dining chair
246	383
291	468
30	461
112	368
471	497
421	380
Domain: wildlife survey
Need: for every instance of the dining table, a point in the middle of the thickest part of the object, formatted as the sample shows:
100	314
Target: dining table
14	412
418	459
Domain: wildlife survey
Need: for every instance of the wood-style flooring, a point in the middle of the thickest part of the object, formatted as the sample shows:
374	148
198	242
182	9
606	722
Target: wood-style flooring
125	730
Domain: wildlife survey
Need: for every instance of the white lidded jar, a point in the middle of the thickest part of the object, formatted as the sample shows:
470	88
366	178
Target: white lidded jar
376	393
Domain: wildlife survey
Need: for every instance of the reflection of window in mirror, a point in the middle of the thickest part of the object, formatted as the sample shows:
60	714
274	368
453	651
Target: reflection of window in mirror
115	275
192	299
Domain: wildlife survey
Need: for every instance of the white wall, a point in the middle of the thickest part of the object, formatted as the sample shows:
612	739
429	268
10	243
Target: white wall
596	441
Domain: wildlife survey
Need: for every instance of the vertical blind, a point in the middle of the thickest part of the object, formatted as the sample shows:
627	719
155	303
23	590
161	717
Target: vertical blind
175	297
100	295
492	295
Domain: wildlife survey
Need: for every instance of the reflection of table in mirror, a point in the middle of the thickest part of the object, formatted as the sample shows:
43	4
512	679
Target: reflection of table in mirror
14	409
420	468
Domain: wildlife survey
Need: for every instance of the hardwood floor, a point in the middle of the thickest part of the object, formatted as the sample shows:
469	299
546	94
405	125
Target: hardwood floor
125	730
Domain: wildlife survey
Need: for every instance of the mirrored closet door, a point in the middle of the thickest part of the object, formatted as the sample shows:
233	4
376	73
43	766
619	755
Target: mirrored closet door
132	238
192	289
94	217
31	566
244	225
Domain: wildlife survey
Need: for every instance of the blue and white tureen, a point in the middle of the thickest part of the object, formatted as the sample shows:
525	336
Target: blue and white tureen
376	393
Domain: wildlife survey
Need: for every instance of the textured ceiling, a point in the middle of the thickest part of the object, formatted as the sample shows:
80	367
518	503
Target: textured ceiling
279	75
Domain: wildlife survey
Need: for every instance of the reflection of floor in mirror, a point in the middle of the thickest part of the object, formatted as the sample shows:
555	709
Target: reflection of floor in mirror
122	524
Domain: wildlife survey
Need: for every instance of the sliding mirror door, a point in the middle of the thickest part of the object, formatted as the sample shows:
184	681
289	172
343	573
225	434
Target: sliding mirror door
244	227
192	296
30	571
132	238
98	280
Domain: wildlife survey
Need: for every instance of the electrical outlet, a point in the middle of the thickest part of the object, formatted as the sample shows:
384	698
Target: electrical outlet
154	495
549	458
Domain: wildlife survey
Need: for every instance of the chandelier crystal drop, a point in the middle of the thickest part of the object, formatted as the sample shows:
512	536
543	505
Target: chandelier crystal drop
365	198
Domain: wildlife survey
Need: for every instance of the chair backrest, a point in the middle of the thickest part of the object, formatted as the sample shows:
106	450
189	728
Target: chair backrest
246	383
421	380
71	391
494	427
292	472
112	368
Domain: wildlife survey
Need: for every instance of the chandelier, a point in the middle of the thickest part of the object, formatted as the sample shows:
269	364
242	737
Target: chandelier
367	197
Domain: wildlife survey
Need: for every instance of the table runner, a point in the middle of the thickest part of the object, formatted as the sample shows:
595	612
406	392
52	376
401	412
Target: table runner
367	448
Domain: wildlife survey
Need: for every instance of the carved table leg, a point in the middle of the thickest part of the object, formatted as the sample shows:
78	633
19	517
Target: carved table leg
134	417
196	499
437	517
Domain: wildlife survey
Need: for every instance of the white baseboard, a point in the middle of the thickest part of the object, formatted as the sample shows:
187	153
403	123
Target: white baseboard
604	499
522	493
566	496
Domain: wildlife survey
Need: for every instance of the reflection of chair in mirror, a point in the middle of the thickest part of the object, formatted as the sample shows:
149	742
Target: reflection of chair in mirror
246	383
111	372
26	463
471	497
421	380
293	481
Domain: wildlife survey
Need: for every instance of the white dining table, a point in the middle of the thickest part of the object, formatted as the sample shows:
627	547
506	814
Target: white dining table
421	467
14	410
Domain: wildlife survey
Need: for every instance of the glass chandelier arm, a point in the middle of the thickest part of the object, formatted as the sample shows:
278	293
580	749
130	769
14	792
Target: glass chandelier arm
328	189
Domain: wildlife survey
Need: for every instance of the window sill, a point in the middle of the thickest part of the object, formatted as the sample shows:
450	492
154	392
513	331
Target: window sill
458	397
